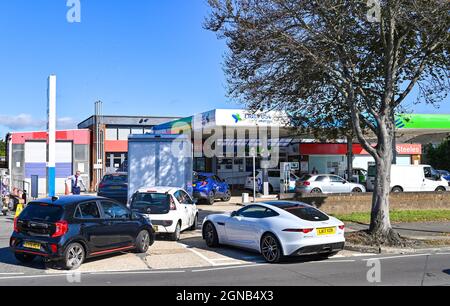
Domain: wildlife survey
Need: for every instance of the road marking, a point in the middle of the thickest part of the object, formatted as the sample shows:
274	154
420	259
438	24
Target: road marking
136	272
332	261
397	257
30	276
12	273
212	263
229	268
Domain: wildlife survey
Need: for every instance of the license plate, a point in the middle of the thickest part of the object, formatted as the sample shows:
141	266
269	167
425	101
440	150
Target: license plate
32	245
155	228
326	231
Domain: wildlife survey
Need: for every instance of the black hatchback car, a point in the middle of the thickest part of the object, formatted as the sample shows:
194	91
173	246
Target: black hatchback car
72	228
114	186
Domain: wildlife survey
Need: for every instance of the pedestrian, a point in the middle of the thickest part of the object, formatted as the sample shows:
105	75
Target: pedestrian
76	183
314	171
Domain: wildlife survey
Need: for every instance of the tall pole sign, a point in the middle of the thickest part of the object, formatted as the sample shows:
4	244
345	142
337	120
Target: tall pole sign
51	141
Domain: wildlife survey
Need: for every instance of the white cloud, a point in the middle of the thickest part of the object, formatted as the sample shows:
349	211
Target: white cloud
27	122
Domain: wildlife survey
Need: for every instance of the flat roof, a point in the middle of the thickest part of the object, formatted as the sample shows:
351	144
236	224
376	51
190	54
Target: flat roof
132	121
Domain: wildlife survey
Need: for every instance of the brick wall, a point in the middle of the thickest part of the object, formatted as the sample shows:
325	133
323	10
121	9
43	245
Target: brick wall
348	203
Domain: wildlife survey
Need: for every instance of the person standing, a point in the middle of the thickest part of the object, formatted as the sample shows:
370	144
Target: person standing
76	183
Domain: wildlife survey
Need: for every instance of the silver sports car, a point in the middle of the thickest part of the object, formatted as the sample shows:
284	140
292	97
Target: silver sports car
276	229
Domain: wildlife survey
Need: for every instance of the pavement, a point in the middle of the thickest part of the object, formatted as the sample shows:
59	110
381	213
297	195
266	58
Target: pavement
191	262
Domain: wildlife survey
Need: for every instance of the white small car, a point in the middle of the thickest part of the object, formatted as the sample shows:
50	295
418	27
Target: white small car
277	229
171	210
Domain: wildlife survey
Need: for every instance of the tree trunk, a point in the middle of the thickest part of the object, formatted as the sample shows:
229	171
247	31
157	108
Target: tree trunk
380	224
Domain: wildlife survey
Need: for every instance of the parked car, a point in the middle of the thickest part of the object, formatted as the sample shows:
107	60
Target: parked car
326	183
114	186
171	210
274	181
411	178
72	228
209	187
445	174
276	229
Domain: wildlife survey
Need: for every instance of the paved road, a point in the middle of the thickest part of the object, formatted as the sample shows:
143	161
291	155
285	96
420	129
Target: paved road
411	270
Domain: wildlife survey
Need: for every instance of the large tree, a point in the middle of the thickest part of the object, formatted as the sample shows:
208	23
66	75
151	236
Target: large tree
333	63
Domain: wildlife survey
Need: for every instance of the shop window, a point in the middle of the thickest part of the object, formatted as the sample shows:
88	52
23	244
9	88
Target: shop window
111	134
123	134
137	131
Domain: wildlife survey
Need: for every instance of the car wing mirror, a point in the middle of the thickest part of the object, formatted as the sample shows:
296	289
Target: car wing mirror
234	214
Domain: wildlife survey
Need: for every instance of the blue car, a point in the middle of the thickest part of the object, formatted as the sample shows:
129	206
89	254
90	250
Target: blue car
209	187
114	186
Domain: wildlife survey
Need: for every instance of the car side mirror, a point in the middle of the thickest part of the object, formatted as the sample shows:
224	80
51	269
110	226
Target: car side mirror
234	214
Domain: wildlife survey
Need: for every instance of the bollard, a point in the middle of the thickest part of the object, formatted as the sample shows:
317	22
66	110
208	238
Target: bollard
245	198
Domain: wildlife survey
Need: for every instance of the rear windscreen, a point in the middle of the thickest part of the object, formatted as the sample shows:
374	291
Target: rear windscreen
307	213
115	179
42	212
151	203
305	177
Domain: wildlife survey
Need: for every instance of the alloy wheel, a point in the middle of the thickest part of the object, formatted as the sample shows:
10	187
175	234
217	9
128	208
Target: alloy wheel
270	249
75	256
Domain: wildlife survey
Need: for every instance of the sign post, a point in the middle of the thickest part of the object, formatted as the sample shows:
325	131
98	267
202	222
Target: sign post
51	141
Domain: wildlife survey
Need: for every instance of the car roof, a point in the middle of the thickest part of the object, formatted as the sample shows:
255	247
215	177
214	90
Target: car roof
284	204
207	174
159	189
67	200
116	174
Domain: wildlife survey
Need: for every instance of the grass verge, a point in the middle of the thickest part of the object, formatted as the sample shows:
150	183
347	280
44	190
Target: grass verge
401	216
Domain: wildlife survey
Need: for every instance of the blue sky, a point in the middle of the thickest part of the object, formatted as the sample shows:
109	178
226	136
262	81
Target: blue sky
140	57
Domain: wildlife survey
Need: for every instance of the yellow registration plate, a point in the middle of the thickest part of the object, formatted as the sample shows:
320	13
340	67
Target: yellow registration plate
326	231
155	228
32	245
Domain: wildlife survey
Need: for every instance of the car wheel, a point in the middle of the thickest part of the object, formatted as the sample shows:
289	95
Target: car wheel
74	256
397	189
195	224
176	235
24	258
440	189
227	196
143	242
357	190
211	198
210	234
271	248
316	190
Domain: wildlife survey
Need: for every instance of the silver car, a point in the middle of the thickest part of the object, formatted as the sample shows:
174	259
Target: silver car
326	183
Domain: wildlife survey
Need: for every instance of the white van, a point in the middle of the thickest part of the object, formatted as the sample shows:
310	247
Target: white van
411	179
274	181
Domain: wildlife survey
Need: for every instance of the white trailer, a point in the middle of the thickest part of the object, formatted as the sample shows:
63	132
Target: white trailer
159	160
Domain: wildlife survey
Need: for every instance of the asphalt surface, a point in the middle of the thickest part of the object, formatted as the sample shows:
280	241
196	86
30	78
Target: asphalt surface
407	270
229	267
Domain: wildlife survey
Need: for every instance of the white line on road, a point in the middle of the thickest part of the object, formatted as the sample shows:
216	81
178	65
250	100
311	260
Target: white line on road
229	268
136	272
332	261
12	273
397	257
212	263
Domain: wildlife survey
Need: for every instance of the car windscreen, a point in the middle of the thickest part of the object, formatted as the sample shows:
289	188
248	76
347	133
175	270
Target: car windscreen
306	213
199	178
112	179
151	203
42	212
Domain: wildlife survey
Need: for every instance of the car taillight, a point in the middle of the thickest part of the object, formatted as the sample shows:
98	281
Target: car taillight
61	228
341	227
299	230
16	229
306	183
